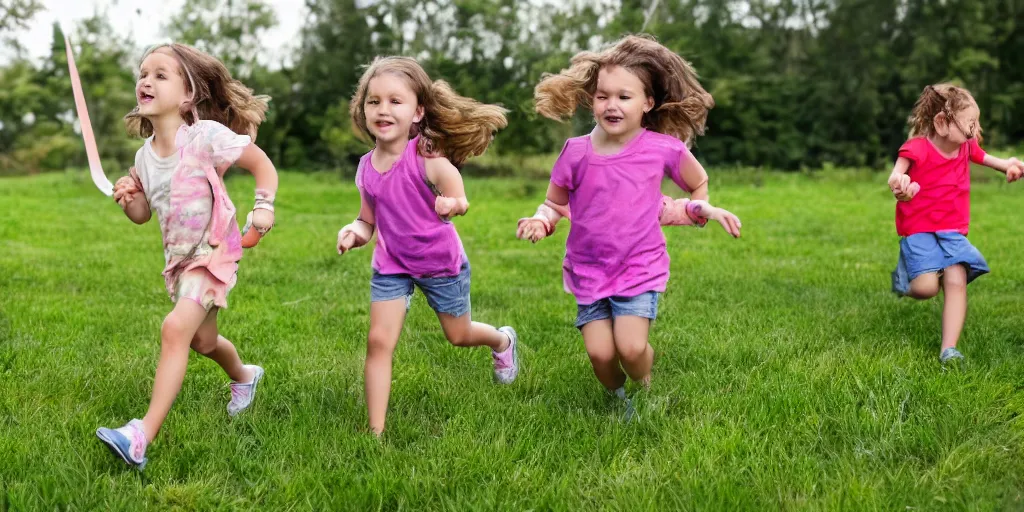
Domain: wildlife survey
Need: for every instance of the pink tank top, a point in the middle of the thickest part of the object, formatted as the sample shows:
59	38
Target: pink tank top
411	238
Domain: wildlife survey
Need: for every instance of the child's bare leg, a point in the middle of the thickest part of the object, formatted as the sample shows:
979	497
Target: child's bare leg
925	286
209	343
461	331
386	319
637	355
954	307
600	343
175	335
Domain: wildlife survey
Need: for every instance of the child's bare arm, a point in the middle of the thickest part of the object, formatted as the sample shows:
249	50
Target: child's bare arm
697	212
446	178
695	178
899	181
130	197
544	221
360	231
1011	167
254	160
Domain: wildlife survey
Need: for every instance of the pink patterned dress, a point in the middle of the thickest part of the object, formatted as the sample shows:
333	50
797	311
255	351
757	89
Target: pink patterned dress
202	243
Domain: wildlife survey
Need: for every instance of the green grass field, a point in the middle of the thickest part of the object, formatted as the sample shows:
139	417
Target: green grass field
787	375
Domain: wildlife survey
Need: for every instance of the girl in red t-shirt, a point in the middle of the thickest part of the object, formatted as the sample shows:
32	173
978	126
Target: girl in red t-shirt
932	181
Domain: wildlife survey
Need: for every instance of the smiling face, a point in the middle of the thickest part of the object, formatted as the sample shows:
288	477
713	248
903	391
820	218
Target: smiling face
620	101
391	107
160	89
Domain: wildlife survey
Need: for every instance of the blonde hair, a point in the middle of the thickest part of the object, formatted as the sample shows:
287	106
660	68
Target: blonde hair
680	103
947	99
454	126
213	95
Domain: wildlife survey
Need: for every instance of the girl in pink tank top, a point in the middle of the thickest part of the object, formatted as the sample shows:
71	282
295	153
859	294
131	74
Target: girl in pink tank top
646	101
410	189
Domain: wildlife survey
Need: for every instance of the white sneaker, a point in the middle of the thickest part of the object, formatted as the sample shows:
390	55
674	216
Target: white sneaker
506	364
242	394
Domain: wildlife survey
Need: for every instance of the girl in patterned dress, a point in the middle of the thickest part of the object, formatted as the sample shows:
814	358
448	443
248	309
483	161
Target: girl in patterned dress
198	122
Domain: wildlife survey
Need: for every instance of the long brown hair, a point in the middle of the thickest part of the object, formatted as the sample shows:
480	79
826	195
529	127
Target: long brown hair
680	103
214	95
945	98
454	126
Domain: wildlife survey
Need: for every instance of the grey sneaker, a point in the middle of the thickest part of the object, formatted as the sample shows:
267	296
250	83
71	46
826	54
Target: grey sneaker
630	415
242	394
950	354
506	364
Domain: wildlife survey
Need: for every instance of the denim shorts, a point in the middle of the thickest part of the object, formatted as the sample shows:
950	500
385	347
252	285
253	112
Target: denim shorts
923	253
449	295
644	305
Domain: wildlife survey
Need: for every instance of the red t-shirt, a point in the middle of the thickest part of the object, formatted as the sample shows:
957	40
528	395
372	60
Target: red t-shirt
944	201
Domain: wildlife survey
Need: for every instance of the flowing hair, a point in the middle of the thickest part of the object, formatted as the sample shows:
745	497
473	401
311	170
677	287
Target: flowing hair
946	99
213	95
454	126
680	103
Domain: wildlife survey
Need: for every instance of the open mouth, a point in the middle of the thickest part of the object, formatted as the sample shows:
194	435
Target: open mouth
383	125
612	119
144	97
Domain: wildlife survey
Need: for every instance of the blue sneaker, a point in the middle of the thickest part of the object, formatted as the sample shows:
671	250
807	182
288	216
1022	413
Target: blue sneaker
128	442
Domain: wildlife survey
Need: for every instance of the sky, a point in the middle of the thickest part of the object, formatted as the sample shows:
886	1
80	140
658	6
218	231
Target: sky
143	19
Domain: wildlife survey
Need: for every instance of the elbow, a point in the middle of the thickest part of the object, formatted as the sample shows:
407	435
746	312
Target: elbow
141	219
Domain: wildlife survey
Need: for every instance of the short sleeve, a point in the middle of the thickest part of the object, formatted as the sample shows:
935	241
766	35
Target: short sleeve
975	152
675	157
224	145
361	173
562	171
139	174
914	150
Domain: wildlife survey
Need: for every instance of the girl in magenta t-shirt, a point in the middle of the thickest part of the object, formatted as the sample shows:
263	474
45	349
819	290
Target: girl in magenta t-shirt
932	181
410	189
646	102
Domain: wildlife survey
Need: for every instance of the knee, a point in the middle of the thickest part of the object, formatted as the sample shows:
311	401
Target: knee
603	355
379	342
954	279
924	292
458	337
173	329
924	289
632	350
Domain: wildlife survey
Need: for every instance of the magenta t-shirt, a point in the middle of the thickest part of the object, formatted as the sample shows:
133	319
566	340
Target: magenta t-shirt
616	246
944	201
411	238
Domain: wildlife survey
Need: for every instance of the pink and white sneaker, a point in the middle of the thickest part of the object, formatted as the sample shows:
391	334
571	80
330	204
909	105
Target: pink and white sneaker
128	442
242	393
506	364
